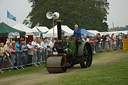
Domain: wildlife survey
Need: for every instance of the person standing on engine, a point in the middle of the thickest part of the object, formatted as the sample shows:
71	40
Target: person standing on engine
77	32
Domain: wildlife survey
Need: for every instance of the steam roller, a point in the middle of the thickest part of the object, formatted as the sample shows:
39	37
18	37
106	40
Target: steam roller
67	53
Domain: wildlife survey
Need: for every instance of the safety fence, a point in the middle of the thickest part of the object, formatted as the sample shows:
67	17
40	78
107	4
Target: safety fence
104	46
22	59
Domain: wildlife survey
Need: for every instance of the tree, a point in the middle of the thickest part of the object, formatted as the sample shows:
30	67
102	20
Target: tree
88	14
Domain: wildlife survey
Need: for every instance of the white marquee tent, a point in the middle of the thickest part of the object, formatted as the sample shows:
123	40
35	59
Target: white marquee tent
41	28
66	29
114	32
93	31
22	27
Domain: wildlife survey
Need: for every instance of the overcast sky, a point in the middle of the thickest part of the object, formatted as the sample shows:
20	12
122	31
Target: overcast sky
19	8
118	13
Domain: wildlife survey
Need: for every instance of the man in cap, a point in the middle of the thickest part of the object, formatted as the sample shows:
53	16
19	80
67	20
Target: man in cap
13	53
23	51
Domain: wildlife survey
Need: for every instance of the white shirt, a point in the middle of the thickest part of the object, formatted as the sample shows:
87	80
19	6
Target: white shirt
34	43
44	44
48	41
87	40
30	52
51	44
39	46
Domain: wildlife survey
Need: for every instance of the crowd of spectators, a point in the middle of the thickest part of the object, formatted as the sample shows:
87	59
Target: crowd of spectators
106	42
15	54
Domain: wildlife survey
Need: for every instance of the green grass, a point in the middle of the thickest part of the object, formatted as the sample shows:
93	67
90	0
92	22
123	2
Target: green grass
113	73
27	70
108	73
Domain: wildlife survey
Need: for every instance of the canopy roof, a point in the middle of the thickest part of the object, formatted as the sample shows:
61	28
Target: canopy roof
6	29
86	33
22	27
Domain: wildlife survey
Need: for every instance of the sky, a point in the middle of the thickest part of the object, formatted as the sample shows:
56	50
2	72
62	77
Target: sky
118	13
18	8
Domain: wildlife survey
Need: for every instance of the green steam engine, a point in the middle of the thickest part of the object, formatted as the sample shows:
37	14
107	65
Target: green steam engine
67	53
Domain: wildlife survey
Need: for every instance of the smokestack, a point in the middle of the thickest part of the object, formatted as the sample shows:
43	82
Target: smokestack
59	29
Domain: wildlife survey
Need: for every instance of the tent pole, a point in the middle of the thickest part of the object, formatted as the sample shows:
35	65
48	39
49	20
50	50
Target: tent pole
25	38
53	27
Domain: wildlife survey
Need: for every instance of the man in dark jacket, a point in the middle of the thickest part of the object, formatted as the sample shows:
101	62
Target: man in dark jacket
23	52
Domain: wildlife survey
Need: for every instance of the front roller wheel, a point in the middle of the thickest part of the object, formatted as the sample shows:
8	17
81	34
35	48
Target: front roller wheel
55	64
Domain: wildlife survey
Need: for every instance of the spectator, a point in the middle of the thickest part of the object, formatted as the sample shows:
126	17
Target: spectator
48	47
117	41
104	42
113	41
82	38
34	43
39	51
6	59
99	42
107	43
30	52
92	44
87	39
1	55
96	43
23	51
67	38
120	40
51	45
12	53
44	44
17	52
48	40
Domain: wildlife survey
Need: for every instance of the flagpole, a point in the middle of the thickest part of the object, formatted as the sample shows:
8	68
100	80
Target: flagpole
113	26
7	21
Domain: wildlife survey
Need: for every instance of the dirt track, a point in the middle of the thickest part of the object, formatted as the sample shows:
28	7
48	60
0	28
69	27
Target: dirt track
44	76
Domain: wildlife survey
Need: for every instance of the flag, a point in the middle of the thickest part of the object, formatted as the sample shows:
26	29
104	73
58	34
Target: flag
10	16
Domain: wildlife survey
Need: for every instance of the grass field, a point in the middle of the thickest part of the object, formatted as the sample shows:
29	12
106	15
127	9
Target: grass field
110	68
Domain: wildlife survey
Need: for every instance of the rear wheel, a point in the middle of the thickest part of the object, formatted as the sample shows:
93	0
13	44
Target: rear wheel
86	60
81	61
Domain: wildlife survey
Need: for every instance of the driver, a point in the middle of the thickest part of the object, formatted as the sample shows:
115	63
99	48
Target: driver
77	32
